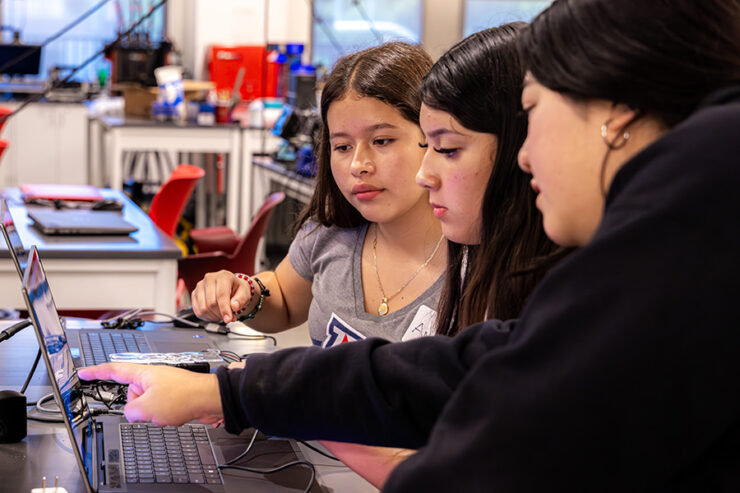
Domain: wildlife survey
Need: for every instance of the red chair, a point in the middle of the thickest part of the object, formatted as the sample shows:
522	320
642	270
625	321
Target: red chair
170	200
4	112
220	248
3	145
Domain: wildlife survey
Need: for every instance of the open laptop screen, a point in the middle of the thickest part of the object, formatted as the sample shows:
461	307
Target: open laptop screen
59	363
12	238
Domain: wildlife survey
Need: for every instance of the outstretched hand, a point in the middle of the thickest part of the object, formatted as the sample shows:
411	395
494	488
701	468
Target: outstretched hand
162	394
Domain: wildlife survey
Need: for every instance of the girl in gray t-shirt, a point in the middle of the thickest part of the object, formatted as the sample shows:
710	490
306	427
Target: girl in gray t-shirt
369	259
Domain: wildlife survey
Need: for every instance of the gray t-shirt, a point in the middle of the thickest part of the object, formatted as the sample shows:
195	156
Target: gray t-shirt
331	258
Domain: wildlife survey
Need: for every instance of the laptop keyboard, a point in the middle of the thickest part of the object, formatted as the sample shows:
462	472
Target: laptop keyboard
168	455
97	346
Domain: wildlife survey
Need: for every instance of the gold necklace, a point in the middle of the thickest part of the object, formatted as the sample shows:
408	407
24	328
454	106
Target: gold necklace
383	307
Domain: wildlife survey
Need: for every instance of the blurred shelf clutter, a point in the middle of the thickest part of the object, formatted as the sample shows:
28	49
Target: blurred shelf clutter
141	108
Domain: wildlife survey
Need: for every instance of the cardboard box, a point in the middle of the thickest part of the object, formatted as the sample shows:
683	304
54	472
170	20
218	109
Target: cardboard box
138	99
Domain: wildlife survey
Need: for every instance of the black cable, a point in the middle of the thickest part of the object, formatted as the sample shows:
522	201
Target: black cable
30	373
117	391
230	463
302	463
318	451
324	27
53	37
370	22
14	329
246	451
229	356
84	64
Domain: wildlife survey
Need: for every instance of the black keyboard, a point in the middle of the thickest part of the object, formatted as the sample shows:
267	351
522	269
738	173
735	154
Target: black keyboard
96	346
168	455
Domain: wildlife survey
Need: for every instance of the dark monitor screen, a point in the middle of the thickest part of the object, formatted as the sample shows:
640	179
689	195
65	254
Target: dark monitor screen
29	65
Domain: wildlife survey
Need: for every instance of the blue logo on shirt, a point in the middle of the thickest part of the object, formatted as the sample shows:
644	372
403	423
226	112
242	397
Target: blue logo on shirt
338	332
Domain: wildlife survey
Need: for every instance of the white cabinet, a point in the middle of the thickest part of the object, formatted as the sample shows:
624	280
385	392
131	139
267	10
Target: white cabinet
48	144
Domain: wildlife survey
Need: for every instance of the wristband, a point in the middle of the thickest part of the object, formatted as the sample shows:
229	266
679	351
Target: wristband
249	281
263	290
264	293
257	308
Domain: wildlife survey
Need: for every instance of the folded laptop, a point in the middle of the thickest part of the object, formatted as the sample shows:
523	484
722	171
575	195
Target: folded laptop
116	456
80	222
93	346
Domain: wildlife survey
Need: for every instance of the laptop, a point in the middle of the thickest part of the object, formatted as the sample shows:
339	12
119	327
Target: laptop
116	456
12	238
80	222
94	346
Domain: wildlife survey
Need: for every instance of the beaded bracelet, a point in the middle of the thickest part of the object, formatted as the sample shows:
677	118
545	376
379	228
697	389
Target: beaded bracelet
264	293
257	308
249	281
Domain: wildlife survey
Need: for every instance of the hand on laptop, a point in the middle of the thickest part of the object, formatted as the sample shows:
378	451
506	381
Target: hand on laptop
162	394
219	295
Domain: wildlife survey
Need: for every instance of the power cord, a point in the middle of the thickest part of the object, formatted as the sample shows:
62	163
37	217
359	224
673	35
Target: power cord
13	330
117	393
132	319
229	356
31	372
300	463
246	451
370	23
317	450
44	413
325	28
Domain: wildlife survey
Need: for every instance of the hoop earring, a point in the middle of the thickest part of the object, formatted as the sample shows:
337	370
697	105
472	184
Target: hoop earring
616	143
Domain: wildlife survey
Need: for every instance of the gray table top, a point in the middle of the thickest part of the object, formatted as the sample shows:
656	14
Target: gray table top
46	451
149	242
132	121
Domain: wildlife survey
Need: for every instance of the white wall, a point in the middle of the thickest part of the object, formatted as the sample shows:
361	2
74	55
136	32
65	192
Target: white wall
289	21
442	25
196	24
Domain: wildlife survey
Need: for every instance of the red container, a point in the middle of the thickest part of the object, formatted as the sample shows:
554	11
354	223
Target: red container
223	112
224	63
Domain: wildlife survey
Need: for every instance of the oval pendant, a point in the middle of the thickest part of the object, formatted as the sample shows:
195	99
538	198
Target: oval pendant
383	309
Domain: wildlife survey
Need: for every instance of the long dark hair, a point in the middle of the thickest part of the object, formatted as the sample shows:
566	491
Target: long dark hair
660	58
479	82
391	73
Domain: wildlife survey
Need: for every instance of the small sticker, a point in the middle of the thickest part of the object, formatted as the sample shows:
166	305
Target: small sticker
423	324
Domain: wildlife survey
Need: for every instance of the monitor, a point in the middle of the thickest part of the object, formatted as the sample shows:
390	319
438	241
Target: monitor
28	65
